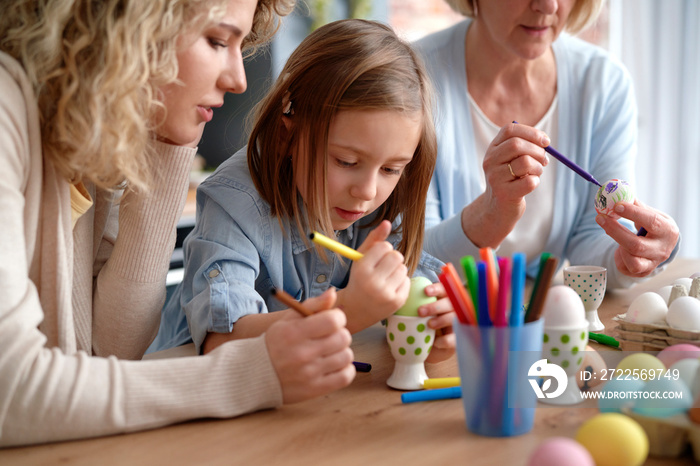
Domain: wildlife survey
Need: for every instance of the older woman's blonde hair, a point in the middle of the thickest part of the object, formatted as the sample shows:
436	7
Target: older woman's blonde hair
346	65
582	14
96	68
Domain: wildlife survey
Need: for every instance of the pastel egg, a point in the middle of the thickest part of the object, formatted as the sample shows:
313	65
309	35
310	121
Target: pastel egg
684	313
556	451
592	363
671	354
612	192
663	398
687	370
639	361
563	308
618	393
614	439
695	385
665	292
416	297
647	308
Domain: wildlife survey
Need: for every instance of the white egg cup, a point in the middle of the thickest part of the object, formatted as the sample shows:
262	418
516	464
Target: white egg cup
565	347
410	340
589	282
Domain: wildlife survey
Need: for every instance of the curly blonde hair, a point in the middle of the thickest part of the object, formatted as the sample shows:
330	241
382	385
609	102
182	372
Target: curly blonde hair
97	67
582	14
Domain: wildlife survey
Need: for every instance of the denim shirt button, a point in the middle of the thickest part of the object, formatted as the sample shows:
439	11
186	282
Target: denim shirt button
321	278
213	273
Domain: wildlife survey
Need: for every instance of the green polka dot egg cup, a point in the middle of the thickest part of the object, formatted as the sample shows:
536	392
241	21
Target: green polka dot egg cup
588	281
565	339
410	340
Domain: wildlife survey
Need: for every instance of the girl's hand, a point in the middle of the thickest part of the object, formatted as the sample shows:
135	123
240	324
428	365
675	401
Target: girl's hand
445	341
311	355
378	283
638	256
513	164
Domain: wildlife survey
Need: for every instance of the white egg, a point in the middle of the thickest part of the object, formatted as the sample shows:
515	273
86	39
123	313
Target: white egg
647	308
685	281
563	308
684	314
665	292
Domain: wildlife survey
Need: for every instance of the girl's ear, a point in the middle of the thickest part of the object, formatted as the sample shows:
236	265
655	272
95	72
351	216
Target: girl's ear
287	122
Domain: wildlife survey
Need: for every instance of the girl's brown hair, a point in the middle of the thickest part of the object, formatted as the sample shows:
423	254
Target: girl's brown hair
345	65
96	68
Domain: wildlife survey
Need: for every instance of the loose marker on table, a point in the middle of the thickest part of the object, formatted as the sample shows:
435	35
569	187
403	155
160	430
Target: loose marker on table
432	395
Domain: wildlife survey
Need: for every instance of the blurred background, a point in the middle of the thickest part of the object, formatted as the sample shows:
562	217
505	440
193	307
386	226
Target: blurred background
658	42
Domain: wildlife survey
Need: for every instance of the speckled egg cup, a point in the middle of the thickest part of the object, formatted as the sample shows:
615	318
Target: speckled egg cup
589	282
410	340
565	347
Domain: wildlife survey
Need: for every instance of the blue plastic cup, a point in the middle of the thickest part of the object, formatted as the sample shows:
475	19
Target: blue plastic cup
494	362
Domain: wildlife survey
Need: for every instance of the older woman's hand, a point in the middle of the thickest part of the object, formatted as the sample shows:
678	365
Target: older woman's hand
638	256
513	164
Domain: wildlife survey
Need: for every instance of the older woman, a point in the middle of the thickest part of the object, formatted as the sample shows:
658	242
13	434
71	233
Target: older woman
494	185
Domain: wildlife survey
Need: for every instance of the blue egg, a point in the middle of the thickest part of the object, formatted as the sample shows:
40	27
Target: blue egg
619	392
663	398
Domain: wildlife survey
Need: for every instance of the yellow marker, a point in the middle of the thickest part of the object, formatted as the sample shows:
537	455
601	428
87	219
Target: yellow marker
335	246
444	382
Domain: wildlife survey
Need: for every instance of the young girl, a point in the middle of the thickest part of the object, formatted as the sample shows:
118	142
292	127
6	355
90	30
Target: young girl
343	143
108	99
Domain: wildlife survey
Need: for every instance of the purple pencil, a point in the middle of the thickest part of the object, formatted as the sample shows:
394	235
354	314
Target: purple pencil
576	168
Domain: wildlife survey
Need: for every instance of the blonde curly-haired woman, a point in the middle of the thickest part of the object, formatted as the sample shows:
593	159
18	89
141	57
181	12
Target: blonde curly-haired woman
102	105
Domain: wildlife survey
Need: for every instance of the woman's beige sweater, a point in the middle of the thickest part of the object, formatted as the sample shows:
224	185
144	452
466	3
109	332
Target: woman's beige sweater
77	305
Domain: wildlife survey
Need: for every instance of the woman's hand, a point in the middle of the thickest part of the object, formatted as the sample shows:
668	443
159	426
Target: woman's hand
638	256
311	355
513	164
445	342
378	283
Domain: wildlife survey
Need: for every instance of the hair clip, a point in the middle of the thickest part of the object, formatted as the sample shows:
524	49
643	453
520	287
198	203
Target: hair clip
287	105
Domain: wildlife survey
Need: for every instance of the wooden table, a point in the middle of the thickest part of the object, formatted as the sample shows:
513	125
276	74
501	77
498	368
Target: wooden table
365	423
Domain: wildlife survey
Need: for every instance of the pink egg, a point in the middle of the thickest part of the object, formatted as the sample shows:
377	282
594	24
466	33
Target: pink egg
557	451
674	353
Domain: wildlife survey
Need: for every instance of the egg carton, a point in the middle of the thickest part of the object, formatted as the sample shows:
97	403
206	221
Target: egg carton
668	437
659	330
652	339
631	345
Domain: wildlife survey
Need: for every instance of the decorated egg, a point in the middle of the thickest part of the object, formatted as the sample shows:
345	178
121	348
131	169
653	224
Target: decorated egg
671	354
416	297
684	313
556	451
663	397
612	192
563	308
614	439
647	308
618	393
644	363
